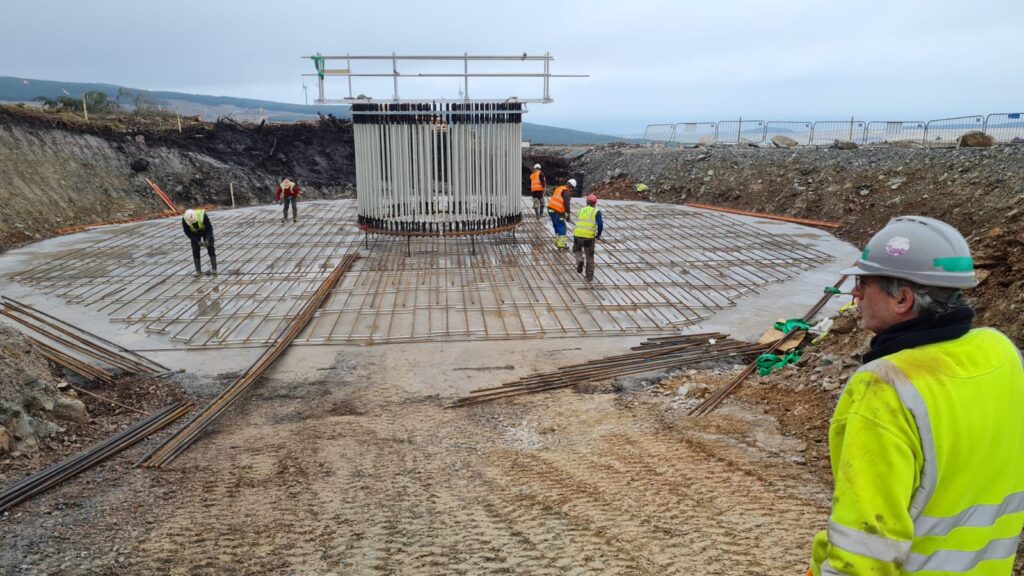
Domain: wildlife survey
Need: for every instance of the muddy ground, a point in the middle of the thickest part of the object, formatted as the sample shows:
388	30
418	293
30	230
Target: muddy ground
353	473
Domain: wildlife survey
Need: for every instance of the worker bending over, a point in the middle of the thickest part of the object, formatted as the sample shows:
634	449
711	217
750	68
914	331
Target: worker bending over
197	227
288	193
927	440
585	235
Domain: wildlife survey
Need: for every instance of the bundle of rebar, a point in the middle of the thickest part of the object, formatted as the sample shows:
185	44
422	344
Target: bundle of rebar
50	477
715	399
188	434
654	354
75	340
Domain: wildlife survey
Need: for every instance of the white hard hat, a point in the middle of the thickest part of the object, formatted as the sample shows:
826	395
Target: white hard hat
190	216
536	166
572	182
923	250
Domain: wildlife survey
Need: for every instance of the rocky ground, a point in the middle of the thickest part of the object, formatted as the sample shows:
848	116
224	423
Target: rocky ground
58	171
363	477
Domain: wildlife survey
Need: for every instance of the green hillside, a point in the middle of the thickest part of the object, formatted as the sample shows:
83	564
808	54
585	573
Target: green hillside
25	89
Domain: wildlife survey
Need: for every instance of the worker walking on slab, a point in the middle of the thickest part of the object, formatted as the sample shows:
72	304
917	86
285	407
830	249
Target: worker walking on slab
927	439
560	211
287	193
200	233
537	185
589	226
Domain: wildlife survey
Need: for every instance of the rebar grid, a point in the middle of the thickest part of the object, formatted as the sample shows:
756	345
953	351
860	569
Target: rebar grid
659	268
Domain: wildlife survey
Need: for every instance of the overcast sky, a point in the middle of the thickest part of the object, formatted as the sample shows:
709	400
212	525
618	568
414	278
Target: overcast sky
649	61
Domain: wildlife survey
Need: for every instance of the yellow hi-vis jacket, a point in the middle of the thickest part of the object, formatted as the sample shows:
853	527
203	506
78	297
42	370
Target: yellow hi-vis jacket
927	449
586	222
199	226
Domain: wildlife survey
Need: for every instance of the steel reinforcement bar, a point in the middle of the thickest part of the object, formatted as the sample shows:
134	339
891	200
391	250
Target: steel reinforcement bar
61	471
187	435
649	356
79	340
720	395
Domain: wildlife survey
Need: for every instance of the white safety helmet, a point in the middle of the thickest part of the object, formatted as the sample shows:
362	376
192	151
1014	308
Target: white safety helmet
190	216
572	182
536	166
923	250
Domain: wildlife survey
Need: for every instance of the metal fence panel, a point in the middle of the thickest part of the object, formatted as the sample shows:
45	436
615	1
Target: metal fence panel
696	133
1006	126
659	134
799	131
948	130
828	132
735	131
894	131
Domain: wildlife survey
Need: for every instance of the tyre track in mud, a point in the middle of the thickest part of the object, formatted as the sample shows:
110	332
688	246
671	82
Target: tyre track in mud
405	487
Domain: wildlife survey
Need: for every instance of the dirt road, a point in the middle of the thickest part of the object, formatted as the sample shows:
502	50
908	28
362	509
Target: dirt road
350	476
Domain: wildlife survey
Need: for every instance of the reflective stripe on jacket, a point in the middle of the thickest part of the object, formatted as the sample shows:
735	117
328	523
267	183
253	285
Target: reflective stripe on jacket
199	226
586	222
927	449
535	182
557	202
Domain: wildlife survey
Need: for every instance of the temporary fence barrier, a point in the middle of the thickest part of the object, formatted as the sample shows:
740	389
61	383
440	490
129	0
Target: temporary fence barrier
1003	127
695	133
1006	126
739	131
797	130
824	133
659	133
894	131
949	130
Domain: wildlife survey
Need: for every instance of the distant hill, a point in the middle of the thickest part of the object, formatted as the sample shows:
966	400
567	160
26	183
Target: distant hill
211	107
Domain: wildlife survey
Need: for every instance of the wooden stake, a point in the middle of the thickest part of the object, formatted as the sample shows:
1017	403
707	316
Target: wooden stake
231	185
85	109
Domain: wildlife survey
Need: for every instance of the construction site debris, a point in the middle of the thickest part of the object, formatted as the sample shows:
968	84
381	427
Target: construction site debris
652	355
65	469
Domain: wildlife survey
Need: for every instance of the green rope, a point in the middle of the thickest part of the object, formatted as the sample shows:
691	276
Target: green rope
791	324
766	363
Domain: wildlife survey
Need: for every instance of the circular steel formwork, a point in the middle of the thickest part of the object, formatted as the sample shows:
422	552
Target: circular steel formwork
438	168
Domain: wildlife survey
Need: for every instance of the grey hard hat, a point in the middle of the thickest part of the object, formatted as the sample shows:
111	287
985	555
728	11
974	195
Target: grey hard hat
536	166
923	250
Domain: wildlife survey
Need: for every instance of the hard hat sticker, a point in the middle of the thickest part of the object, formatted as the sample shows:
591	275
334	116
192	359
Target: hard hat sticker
898	246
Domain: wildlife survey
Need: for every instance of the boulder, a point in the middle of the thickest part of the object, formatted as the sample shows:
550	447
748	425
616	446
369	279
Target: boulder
844	145
70	409
975	139
1017	140
140	165
5	440
780	141
906	143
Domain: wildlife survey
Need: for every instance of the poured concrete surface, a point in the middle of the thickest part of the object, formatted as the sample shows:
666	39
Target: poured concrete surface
661	269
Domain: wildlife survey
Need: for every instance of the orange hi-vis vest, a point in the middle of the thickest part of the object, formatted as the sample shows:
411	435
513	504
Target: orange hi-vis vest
535	184
557	203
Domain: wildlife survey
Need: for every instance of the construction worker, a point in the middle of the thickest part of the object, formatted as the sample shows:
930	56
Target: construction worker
927	439
585	235
287	193
537	185
197	227
560	211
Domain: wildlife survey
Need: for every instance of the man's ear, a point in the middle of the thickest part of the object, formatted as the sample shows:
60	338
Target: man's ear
905	301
